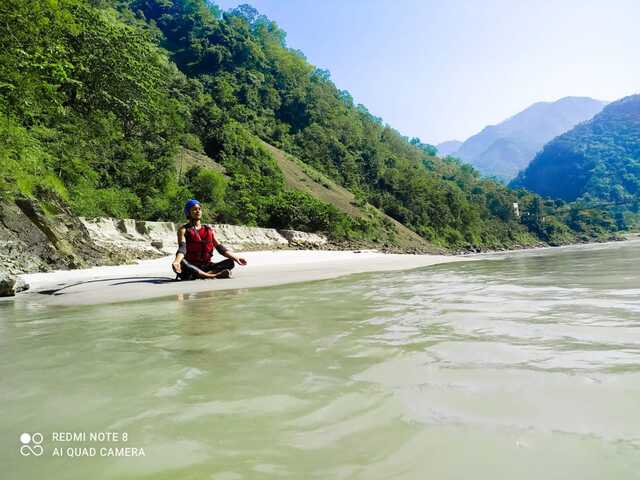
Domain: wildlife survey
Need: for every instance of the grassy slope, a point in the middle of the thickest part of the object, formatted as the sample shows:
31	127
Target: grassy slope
300	176
185	159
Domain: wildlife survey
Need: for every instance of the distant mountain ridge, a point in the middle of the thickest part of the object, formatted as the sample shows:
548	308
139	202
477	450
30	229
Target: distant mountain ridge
504	149
448	148
598	160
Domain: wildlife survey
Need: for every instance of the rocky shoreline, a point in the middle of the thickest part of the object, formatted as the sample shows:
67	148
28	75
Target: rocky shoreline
38	236
144	239
44	235
41	236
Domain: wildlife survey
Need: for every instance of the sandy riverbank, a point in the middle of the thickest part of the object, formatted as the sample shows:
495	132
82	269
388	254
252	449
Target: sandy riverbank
154	278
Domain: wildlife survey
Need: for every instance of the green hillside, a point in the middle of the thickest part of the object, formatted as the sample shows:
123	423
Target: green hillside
596	163
107	132
302	177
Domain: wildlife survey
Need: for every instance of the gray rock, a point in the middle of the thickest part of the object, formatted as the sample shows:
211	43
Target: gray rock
10	285
39	235
303	239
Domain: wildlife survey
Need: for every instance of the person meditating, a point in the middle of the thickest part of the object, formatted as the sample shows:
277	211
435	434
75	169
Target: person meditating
195	249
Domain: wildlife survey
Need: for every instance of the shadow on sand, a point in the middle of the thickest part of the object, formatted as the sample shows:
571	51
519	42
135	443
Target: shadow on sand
151	280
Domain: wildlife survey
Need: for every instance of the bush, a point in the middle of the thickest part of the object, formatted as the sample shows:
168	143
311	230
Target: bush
112	202
207	185
300	211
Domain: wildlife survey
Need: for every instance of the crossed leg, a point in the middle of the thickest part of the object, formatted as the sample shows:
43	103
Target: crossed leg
211	270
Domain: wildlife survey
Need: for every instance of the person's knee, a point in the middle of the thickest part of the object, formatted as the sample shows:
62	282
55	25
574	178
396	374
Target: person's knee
187	272
229	264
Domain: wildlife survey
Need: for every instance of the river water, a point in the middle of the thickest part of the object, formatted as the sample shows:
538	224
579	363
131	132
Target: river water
526	367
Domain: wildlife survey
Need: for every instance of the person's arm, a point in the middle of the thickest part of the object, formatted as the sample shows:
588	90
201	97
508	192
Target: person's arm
182	251
225	252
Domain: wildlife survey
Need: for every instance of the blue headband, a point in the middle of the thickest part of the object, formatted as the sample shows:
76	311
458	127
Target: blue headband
189	204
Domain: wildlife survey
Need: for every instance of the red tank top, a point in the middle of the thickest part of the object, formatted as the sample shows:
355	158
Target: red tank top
200	243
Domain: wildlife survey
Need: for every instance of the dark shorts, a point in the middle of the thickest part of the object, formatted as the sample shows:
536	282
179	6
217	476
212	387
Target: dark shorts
190	270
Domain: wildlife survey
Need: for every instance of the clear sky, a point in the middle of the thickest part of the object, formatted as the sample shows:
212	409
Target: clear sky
444	69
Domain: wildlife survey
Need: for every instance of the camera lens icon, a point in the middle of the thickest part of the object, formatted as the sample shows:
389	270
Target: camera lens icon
31	444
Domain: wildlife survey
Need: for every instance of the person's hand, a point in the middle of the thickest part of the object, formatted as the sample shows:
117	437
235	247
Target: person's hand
176	267
241	261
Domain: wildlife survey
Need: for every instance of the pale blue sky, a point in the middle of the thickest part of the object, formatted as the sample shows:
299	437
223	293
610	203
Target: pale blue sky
442	70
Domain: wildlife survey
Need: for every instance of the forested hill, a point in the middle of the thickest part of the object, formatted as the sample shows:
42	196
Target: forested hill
597	162
97	97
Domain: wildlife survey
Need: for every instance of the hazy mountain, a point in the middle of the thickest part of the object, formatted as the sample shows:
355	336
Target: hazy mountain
503	150
598	160
448	148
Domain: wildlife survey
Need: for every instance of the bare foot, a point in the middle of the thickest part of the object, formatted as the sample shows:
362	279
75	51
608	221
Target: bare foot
221	274
205	275
224	274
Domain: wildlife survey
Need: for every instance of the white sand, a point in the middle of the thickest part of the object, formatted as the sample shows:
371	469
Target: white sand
152	278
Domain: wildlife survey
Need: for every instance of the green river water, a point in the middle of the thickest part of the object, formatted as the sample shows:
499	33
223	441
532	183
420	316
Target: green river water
526	367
